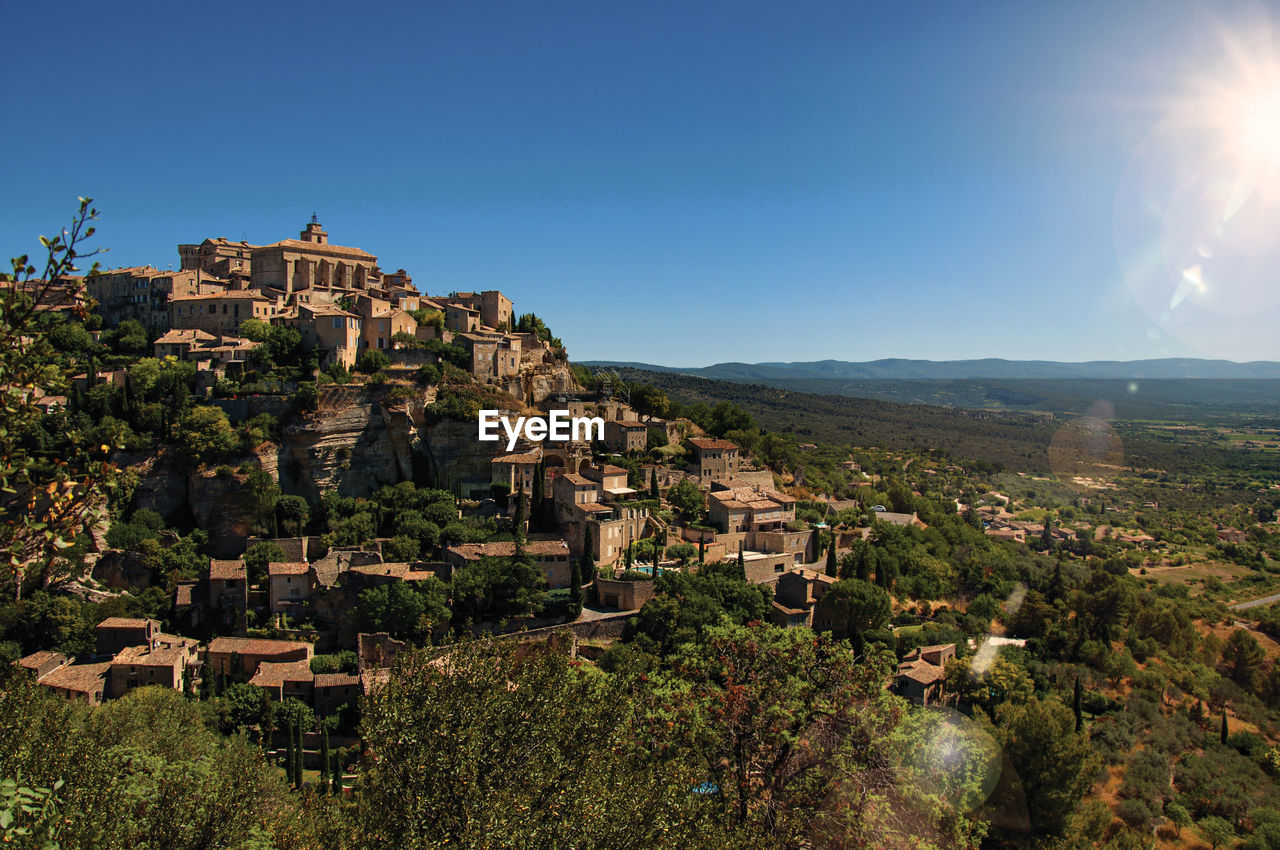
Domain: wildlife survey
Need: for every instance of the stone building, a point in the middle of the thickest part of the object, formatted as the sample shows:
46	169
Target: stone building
716	460
550	556
311	264
250	652
290	585
490	309
116	633
626	435
222	312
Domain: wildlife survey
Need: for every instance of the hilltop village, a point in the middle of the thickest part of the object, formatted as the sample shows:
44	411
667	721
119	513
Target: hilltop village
597	532
288	553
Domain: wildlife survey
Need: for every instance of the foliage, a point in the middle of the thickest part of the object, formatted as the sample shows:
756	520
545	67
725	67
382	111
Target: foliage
49	496
406	610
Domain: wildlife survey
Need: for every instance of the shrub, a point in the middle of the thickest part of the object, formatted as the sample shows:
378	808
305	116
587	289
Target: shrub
372	361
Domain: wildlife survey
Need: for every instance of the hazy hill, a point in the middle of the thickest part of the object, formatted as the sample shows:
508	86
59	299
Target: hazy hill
898	369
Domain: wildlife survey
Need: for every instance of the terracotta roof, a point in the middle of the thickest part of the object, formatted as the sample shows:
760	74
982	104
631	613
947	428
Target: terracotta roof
255	646
921	671
525	457
705	443
180	335
241	294
226	570
390	569
594	507
126	623
318	248
145	656
607	469
506	549
288	568
336	680
273	674
578	480
35	659
630	423
84	678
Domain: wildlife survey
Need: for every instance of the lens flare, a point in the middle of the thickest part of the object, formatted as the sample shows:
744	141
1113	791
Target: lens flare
1197	207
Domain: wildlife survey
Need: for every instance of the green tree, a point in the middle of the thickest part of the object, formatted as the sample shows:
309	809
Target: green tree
372	361
261	493
1076	696
1056	765
446	744
587	567
52	495
324	757
686	498
258	556
405	610
205	435
833	568
1243	657
293	513
1179	817
760	701
1217	831
859	605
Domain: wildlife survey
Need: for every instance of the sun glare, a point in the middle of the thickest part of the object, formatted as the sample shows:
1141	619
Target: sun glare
1258	127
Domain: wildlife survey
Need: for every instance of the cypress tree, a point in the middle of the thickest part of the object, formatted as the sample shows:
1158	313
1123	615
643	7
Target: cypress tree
589	555
864	563
337	773
1075	706
702	548
517	523
288	754
206	677
1224	726
539	493
653	487
324	756
575	586
832	567
742	564
297	759
627	556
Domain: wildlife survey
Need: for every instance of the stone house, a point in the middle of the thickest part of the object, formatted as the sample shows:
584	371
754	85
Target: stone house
290	585
228	594
515	471
42	663
284	679
331	328
625	435
922	673
251	652
161	662
797	597
222	312
492	309
715	460
551	556
116	633
623	595
334	690
750	509
86	682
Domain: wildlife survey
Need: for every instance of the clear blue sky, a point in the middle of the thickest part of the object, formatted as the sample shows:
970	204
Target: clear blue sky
680	183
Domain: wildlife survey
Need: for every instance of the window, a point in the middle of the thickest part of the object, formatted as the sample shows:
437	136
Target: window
337	322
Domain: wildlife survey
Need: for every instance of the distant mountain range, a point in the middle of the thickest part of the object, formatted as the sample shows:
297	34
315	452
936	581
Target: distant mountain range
897	369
